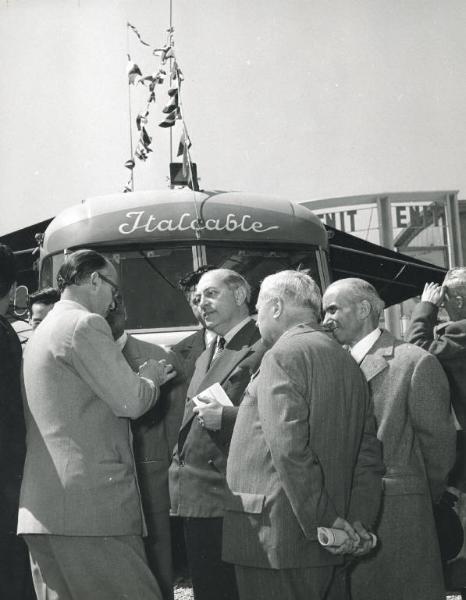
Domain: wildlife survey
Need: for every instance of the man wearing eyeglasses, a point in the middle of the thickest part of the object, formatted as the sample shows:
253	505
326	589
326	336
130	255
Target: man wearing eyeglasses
80	509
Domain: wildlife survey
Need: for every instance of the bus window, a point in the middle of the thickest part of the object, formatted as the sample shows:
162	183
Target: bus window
49	270
255	264
149	284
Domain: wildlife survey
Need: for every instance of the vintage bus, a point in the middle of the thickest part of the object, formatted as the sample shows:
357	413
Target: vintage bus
155	237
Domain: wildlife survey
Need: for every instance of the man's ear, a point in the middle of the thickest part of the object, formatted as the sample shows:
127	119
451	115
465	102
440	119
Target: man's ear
364	309
240	296
95	281
277	308
459	301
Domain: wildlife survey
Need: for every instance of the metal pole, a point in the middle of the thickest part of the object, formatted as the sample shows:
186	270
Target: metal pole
455	250
384	212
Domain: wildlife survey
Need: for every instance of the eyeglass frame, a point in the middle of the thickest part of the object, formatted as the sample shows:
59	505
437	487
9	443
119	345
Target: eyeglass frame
112	284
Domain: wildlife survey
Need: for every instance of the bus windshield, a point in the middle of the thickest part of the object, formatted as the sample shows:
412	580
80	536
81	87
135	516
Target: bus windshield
149	277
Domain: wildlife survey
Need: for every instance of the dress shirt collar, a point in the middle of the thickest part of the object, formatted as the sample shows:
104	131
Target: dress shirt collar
209	337
72	302
234	330
361	348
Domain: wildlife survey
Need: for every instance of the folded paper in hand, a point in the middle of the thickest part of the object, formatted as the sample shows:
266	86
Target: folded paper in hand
214	392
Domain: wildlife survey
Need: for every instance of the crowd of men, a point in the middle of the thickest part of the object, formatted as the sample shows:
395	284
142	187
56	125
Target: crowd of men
324	420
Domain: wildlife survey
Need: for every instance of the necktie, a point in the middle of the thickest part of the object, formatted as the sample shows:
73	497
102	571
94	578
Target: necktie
219	348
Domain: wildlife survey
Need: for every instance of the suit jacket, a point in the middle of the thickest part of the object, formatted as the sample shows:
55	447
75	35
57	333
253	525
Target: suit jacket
411	401
304	451
12	427
197	473
156	432
188	351
79	475
448	343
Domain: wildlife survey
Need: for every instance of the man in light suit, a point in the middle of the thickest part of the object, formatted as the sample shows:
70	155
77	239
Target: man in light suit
412	408
197	473
80	509
304	453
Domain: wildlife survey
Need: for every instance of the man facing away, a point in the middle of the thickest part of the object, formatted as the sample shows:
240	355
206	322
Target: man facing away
80	509
412	409
304	453
197	473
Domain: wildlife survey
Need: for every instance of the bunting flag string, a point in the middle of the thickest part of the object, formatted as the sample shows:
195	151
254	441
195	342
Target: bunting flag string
172	110
133	28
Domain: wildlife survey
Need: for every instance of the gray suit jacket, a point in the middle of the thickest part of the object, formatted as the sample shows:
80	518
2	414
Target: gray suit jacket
303	452
411	402
79	477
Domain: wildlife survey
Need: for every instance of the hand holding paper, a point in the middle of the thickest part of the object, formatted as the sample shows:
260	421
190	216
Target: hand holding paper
209	406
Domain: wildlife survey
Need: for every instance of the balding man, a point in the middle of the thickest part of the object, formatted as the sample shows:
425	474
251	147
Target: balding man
411	399
80	508
304	453
198	488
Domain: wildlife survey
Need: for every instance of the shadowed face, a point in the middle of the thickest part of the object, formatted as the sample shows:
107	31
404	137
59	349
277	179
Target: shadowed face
108	290
267	319
39	311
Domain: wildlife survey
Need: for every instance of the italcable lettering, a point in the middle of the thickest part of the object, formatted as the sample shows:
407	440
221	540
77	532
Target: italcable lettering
148	223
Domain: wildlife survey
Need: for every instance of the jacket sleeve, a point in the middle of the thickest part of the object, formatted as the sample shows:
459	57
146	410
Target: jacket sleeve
421	333
429	406
366	492
100	363
284	414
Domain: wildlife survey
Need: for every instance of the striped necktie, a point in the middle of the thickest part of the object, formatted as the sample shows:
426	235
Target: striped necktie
218	348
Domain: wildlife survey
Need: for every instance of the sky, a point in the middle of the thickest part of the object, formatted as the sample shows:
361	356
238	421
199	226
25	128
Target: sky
304	99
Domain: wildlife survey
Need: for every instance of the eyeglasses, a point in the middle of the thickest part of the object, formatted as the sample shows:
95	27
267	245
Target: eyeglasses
112	284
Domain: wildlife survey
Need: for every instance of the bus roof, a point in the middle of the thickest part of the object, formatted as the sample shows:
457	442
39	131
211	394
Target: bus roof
169	216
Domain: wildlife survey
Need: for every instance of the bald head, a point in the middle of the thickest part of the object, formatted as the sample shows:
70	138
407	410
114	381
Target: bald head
352	309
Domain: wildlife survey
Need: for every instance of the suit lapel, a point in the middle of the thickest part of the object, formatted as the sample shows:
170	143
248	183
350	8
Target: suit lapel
232	355
375	360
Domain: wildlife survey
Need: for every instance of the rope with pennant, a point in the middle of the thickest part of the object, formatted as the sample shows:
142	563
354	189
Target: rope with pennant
168	69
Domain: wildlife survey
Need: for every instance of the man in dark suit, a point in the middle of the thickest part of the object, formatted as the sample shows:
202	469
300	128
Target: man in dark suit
446	341
15	574
197	473
192	346
154	436
304	453
412	410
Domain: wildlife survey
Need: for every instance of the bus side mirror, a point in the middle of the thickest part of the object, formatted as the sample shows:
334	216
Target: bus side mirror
20	301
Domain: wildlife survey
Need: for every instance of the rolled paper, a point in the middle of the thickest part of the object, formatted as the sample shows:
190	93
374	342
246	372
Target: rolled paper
329	536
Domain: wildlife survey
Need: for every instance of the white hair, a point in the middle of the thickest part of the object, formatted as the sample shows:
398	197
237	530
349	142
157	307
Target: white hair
293	287
455	280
